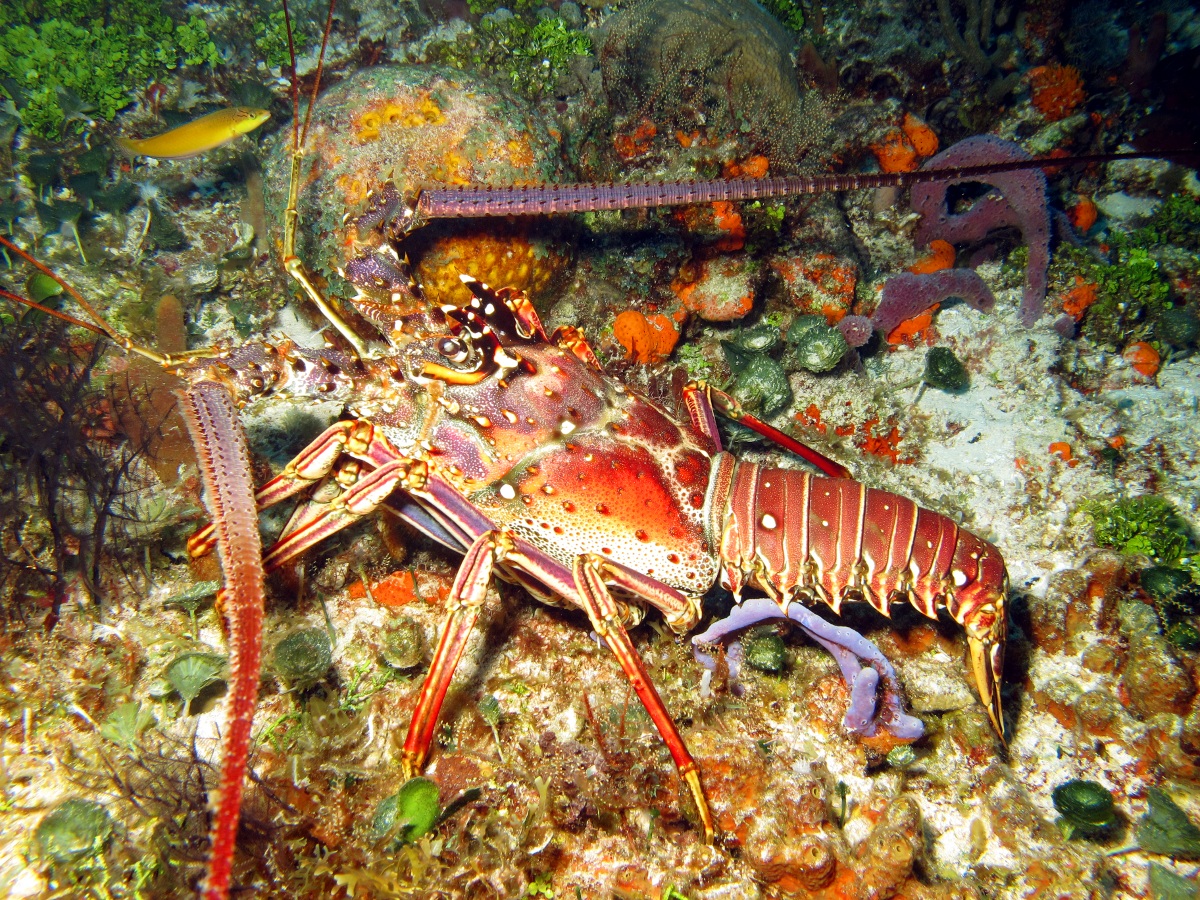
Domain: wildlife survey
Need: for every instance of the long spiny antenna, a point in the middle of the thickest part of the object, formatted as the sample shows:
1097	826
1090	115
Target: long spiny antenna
320	71
294	87
442	202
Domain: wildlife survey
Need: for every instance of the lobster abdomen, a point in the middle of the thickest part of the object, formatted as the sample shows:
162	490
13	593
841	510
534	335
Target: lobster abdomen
800	536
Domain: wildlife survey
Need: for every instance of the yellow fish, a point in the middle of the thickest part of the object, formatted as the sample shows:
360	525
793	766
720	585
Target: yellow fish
205	133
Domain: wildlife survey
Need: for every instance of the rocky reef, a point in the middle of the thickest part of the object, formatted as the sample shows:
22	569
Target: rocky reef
1034	378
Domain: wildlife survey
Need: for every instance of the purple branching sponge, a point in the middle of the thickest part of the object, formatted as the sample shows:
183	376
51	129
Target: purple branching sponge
906	295
1021	203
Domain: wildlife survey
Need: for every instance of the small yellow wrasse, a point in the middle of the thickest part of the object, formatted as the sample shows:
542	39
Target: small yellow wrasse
205	133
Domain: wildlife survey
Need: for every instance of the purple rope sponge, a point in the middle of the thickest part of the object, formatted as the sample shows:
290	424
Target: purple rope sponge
865	670
906	295
1022	203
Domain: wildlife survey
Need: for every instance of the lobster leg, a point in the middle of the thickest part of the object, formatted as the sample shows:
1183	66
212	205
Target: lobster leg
466	597
310	465
362	498
605	617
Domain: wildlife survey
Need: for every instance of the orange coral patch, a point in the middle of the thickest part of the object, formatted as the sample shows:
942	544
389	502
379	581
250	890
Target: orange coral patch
645	339
728	219
1083	215
910	329
941	256
885	445
920	135
1079	298
1062	450
1057	90
895	152
630	145
751	167
811	417
710	300
1143	358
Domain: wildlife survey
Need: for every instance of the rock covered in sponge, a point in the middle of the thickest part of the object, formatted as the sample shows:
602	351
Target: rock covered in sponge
416	126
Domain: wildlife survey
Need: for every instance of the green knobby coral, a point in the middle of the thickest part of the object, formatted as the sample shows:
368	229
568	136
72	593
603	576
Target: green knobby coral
1177	222
1147	525
530	54
1129	293
63	58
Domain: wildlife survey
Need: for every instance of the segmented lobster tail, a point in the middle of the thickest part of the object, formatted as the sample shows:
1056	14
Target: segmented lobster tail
801	537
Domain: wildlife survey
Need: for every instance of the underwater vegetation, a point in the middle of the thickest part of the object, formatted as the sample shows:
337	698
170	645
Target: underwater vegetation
66	58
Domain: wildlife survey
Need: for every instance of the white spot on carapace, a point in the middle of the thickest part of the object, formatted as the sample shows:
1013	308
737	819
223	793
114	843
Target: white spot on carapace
824	523
768	521
510	415
482	421
566	427
960	577
766	484
508	492
929	545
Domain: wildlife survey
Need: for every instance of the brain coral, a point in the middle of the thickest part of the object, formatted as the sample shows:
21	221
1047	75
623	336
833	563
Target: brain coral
720	65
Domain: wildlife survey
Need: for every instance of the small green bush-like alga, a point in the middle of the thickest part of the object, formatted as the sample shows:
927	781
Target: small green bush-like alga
1148	525
64	57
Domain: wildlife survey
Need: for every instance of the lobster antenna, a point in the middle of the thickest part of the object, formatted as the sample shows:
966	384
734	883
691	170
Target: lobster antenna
291	216
97	324
320	70
472	201
295	82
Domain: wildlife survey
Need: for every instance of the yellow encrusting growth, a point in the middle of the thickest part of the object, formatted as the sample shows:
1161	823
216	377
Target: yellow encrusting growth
200	135
424	111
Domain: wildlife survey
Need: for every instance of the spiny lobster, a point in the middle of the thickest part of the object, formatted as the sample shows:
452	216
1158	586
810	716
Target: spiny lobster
512	447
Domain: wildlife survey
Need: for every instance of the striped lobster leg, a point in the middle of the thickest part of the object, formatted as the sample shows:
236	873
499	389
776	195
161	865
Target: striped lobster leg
801	537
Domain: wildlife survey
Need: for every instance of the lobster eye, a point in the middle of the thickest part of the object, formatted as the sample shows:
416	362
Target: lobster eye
454	350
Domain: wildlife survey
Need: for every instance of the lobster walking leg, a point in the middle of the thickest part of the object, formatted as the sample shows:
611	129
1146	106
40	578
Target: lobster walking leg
354	437
605	617
466	597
